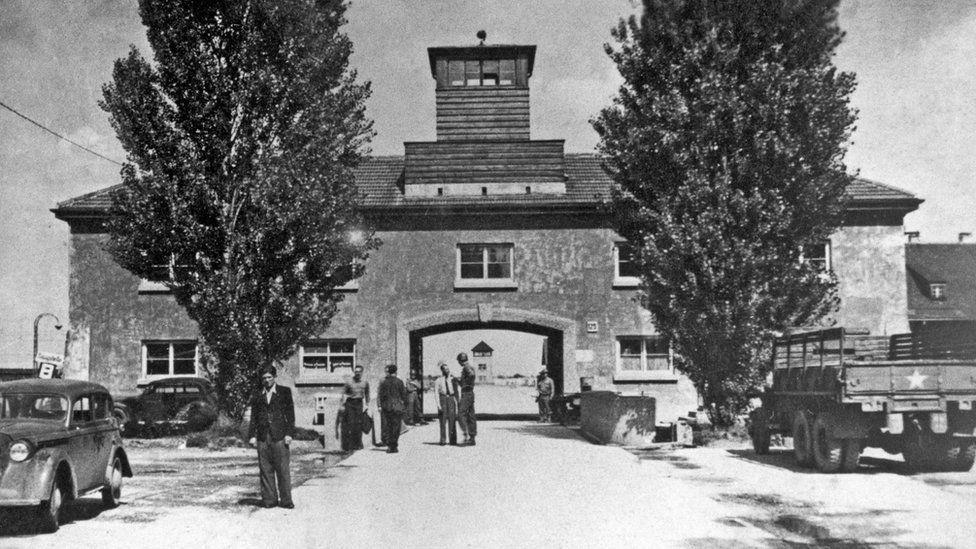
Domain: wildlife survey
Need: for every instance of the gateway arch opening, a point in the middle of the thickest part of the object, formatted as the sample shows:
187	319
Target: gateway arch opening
507	358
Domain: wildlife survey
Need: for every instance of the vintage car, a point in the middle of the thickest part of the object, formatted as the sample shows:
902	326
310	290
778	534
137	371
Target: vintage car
58	441
185	402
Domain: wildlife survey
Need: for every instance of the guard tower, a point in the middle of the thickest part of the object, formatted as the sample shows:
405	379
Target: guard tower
483	145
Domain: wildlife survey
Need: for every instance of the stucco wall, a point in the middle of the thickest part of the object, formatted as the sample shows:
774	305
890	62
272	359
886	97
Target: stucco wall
564	274
109	318
564	277
870	265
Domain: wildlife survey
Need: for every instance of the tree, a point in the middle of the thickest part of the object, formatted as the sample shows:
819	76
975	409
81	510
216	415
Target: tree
238	192
726	144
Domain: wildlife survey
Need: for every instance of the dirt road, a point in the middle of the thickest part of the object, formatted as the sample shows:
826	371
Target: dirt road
524	485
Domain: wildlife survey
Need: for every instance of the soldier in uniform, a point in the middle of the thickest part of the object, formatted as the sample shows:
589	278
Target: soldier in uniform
469	426
545	387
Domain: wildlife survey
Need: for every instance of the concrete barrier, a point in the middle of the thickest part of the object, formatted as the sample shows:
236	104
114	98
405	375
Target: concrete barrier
611	418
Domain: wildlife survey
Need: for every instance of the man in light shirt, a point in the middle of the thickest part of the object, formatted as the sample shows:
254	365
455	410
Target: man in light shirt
447	404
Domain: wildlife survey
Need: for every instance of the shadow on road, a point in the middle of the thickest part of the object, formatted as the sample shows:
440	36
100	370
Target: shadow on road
22	521
783	458
546	430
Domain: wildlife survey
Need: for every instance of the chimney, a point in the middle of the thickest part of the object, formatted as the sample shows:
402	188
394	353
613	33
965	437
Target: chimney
963	237
912	236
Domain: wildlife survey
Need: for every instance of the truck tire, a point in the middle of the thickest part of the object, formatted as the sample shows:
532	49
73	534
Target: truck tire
852	452
960	454
917	448
760	432
802	440
828	452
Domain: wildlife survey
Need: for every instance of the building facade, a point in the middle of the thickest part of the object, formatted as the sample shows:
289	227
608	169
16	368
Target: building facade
481	228
942	291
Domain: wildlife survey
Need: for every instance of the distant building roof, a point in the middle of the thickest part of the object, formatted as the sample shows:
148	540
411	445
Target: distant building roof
953	265
380	182
482	348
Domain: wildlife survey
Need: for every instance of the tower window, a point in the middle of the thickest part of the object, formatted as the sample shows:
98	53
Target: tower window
490	72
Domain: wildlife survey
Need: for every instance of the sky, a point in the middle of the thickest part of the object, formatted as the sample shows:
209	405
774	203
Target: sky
915	62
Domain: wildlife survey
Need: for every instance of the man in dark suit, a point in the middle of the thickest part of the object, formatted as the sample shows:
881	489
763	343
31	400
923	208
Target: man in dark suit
271	430
393	401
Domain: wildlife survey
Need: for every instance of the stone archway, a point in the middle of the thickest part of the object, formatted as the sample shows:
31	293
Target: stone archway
559	331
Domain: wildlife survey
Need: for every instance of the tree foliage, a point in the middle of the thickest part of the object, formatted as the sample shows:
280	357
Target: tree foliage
241	138
726	142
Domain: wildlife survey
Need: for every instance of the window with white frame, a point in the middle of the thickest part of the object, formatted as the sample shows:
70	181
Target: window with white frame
327	356
817	255
485	265
640	354
625	271
169	358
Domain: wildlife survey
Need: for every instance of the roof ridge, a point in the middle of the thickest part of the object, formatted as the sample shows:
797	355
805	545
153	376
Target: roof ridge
885	185
91	194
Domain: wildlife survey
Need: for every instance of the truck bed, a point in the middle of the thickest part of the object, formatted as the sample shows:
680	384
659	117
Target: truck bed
851	365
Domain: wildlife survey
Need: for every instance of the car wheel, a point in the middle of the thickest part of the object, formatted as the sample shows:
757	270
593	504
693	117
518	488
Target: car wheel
112	491
122	416
49	512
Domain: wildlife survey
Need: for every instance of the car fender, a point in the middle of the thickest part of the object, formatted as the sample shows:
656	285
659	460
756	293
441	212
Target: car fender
31	480
124	458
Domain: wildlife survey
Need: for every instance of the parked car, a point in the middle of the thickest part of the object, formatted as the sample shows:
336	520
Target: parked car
185	402
58	441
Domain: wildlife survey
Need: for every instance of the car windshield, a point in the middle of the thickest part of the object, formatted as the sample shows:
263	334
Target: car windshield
33	406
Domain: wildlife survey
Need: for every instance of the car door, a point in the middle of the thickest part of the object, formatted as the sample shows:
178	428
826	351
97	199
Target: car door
105	431
82	432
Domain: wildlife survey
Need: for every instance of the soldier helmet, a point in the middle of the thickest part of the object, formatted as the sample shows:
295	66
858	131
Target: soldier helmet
462	357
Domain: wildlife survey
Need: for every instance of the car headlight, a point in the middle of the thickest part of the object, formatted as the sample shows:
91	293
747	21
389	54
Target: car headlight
20	450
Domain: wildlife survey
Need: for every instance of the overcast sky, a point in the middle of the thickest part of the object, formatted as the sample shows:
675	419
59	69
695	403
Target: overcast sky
915	61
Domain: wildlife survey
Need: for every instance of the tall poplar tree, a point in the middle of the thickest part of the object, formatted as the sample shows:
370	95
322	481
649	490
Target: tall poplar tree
241	136
726	142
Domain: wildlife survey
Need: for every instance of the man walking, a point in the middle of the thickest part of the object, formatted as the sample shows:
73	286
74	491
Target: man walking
447	394
392	399
271	429
466	405
545	387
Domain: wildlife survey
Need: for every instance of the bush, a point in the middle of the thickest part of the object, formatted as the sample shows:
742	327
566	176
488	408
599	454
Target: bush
306	434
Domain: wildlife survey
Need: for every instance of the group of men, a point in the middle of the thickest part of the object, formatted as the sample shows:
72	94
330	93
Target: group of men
272	423
455	403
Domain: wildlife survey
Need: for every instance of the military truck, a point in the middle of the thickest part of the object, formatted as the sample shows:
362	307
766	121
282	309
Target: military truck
837	391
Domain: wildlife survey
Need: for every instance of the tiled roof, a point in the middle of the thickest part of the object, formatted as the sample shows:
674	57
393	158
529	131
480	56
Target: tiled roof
380	180
951	264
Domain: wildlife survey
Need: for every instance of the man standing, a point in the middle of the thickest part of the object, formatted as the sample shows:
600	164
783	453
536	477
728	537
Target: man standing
447	394
392	400
271	429
415	394
466	406
545	387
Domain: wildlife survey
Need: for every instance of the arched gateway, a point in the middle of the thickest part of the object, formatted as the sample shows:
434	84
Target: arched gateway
560	334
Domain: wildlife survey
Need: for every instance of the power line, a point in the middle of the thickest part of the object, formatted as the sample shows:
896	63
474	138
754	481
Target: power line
56	134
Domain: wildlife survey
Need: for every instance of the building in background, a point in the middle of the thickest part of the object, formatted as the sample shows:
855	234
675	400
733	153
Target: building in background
483	228
482	360
942	291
